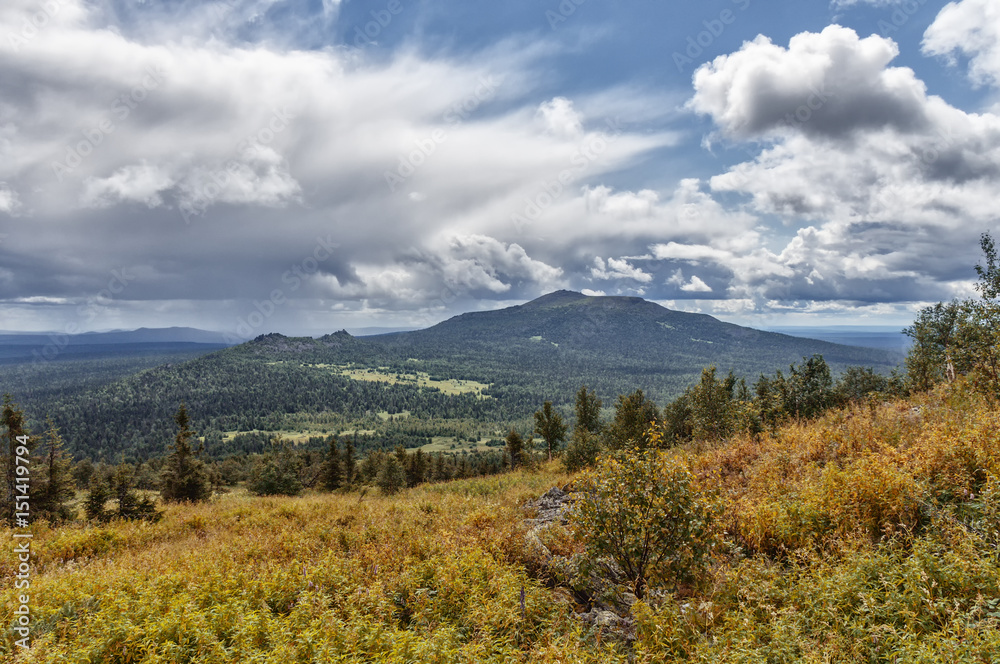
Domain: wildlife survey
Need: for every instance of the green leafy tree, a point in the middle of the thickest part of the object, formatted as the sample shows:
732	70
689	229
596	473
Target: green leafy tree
639	508
57	487
588	410
713	410
184	478
930	359
981	333
277	474
391	477
960	337
550	426
857	384
631	426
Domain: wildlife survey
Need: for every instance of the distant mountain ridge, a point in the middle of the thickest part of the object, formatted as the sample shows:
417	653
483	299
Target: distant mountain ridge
139	336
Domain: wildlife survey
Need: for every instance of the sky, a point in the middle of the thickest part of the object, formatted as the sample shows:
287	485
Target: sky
251	166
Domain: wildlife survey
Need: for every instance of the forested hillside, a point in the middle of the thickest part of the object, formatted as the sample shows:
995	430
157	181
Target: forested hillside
518	357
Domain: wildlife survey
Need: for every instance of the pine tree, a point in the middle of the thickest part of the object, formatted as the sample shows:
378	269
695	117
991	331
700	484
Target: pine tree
332	472
184	477
550	426
58	486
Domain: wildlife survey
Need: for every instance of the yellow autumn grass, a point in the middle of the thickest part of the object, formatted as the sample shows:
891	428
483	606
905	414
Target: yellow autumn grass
868	535
432	575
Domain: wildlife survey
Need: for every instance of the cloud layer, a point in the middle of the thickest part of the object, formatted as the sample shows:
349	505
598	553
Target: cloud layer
211	158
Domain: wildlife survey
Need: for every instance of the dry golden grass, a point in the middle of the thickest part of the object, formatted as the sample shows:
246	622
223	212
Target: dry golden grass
430	575
867	535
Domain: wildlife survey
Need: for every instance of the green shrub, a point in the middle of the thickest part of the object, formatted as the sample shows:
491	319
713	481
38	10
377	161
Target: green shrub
640	509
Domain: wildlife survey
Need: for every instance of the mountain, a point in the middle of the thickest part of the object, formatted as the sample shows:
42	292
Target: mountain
623	332
473	375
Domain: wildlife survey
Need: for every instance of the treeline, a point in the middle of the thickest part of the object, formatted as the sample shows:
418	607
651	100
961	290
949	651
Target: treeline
126	490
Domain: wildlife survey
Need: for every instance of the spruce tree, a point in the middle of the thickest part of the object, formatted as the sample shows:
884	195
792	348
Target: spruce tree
349	461
416	468
184	477
515	449
93	503
332	472
58	486
390	478
121	484
15	435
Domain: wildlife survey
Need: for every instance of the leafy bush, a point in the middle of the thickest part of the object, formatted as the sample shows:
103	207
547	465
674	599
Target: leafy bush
641	509
277	475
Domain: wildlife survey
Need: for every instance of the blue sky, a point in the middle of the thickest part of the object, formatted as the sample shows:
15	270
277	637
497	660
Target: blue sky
261	165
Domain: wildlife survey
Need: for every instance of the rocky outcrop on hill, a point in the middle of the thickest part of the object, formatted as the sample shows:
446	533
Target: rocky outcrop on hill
598	589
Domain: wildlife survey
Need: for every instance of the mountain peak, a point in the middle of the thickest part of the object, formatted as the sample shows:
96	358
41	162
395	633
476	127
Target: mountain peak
556	299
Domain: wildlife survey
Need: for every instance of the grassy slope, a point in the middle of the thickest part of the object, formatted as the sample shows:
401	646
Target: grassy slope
830	553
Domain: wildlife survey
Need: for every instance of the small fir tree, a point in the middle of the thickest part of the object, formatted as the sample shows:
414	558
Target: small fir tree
184	478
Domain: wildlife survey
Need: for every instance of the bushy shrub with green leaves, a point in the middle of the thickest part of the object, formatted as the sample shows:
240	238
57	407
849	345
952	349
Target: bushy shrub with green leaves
641	509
